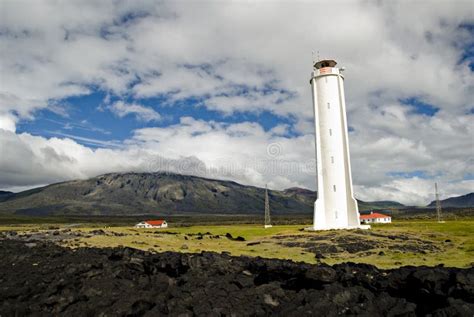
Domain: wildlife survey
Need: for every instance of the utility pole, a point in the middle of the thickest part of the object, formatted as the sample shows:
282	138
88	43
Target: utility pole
438	204
268	223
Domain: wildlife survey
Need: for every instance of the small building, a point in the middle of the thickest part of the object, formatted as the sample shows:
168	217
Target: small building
152	224
375	217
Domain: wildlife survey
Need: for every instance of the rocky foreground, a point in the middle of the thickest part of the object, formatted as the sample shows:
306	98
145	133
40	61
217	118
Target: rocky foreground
40	278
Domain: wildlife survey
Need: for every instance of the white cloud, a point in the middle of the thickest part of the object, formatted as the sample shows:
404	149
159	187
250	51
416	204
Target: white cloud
412	191
142	113
243	152
225	151
247	57
8	122
390	50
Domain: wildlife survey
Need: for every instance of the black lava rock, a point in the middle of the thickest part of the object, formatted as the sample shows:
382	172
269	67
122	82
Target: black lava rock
47	280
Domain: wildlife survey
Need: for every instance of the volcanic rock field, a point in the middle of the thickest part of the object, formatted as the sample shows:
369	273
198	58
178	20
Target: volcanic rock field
44	279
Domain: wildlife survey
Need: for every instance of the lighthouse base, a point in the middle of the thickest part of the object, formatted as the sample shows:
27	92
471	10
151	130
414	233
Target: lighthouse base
363	227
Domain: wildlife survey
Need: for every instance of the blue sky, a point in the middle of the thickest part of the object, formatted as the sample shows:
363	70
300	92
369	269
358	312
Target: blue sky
420	107
126	86
87	117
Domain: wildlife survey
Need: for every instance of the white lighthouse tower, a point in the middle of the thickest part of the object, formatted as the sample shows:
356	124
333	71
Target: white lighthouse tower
335	206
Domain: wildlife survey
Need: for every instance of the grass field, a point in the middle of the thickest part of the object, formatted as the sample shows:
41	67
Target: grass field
386	246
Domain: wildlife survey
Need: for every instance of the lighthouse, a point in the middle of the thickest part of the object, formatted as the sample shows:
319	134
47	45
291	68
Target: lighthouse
335	206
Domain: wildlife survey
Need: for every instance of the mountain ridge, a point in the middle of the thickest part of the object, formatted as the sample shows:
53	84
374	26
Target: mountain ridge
466	200
4	195
144	193
164	193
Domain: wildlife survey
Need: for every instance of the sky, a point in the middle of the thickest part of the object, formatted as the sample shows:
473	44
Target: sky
220	89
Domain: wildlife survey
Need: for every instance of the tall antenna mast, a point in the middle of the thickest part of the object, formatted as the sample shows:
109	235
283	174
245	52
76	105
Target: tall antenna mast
438	204
268	223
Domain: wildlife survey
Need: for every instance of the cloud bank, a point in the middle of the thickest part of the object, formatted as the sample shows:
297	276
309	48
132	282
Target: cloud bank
409	89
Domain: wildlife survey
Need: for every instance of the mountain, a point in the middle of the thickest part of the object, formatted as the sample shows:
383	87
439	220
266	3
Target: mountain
463	201
4	195
147	193
309	196
384	204
301	194
160	193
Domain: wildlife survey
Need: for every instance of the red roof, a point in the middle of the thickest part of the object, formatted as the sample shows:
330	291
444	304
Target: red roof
155	222
373	216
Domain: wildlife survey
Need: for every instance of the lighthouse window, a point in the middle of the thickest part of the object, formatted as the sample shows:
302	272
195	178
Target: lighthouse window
330	132
326	79
329	105
335	213
334	187
332	159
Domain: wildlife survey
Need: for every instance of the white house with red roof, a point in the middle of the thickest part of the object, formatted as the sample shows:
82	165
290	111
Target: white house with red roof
152	224
375	217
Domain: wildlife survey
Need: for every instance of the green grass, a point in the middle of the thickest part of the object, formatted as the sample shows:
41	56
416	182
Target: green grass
246	231
460	251
457	252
